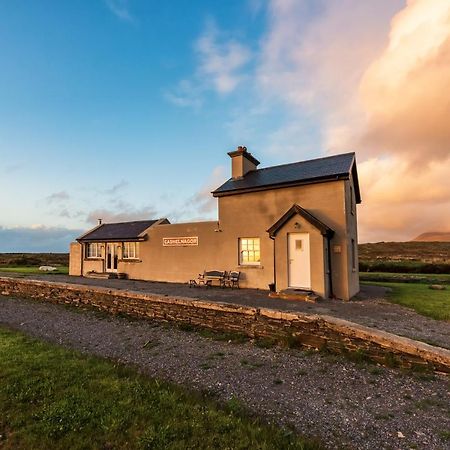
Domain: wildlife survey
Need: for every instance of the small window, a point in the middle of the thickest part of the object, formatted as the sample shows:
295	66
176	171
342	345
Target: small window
130	250
249	251
353	255
94	250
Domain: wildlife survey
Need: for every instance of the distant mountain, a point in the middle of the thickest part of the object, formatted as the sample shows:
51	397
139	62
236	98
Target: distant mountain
433	236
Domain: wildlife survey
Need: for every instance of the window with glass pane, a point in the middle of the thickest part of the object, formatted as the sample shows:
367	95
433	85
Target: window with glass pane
94	250
249	251
130	250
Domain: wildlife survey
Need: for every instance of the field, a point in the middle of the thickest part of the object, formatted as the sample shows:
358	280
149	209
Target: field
405	257
29	263
33	259
55	398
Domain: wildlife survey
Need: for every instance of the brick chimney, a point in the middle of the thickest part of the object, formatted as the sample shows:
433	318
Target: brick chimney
242	162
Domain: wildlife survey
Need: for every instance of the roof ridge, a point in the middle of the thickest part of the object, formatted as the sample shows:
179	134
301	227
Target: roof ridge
304	161
130	221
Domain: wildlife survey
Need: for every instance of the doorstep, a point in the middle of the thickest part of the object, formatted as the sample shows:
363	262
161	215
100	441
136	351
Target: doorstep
296	294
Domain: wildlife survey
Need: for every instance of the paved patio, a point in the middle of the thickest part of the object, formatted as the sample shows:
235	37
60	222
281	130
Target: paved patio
369	308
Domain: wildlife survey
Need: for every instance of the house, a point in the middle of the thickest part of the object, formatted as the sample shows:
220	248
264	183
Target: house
292	225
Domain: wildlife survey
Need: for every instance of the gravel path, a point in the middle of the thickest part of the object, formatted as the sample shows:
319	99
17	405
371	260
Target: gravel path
369	308
357	407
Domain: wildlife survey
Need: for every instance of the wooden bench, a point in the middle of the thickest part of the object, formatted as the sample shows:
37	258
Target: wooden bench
224	278
208	277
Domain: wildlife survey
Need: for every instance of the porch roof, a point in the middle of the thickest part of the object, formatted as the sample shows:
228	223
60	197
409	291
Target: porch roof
325	230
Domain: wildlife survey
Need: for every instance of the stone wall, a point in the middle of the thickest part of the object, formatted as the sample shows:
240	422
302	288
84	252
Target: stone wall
308	331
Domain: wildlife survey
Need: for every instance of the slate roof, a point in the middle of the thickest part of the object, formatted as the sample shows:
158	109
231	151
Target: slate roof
113	232
304	172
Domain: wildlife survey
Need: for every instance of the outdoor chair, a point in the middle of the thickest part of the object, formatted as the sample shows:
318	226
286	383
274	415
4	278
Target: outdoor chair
233	279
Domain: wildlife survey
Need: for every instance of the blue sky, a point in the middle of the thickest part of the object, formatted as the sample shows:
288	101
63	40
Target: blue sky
125	109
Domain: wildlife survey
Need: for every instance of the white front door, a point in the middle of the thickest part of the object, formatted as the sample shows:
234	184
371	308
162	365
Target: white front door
299	270
111	257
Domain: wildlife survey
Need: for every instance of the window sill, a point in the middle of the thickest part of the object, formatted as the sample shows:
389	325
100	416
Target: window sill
93	259
250	266
131	260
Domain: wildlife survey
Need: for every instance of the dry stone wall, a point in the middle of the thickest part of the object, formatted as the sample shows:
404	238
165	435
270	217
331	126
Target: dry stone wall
300	330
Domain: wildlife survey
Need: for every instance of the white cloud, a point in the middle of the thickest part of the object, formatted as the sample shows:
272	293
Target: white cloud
36	238
122	212
117	188
120	8
58	197
221	60
220	67
202	205
375	76
185	94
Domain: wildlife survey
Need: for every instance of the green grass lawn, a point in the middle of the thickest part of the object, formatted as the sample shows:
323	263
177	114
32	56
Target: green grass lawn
33	269
405	277
54	398
425	301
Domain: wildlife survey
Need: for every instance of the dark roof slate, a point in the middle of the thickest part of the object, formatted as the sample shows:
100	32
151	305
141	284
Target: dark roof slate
123	231
327	168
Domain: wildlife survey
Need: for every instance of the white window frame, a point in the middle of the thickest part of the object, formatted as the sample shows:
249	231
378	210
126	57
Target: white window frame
130	250
249	251
93	250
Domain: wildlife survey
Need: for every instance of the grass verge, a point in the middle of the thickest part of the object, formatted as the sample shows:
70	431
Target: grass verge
51	397
425	301
405	277
33	269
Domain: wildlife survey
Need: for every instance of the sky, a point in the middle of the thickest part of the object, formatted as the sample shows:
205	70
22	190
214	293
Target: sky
126	109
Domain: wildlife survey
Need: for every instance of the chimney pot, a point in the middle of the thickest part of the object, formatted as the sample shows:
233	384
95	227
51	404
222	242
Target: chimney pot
242	162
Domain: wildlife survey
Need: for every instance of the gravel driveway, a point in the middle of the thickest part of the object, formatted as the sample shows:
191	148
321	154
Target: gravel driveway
344	404
369	308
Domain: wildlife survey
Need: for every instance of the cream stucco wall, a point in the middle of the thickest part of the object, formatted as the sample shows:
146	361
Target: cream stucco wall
176	264
75	259
249	215
253	213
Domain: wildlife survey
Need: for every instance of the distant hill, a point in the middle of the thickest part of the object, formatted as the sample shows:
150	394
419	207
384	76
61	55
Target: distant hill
433	236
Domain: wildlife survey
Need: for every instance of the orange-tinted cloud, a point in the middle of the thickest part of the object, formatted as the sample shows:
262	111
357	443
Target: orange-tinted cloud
377	76
406	102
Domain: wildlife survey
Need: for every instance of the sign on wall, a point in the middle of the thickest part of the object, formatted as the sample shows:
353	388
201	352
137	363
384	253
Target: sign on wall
186	241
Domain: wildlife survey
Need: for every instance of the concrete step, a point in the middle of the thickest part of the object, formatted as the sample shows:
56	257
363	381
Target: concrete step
296	294
101	275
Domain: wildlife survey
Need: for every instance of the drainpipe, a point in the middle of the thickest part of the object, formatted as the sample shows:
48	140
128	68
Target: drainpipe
82	258
330	277
274	264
